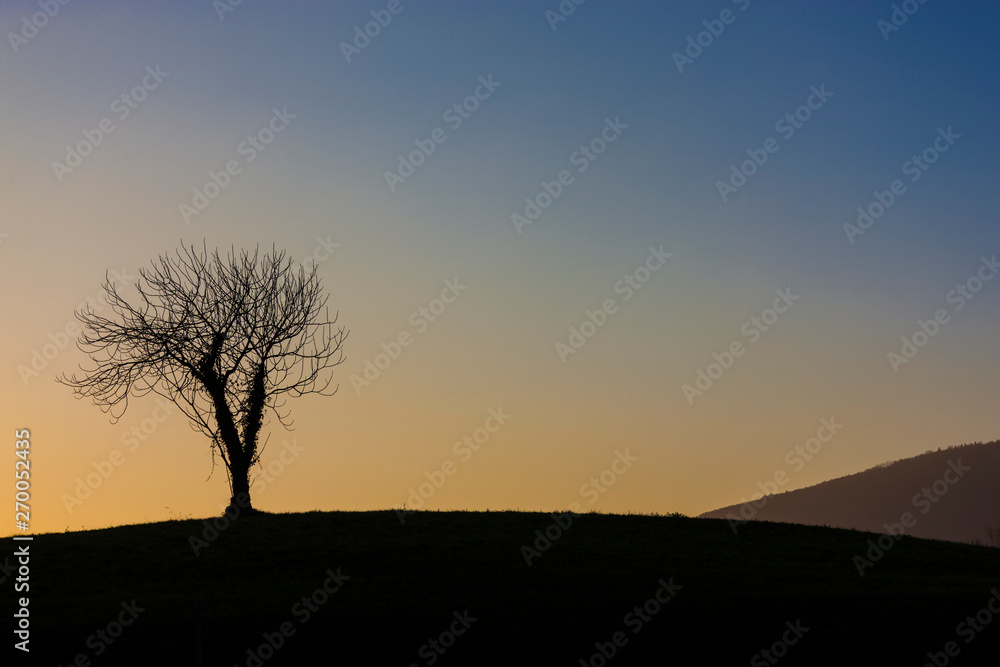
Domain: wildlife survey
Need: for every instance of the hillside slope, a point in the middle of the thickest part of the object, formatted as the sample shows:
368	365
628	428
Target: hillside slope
952	494
400	589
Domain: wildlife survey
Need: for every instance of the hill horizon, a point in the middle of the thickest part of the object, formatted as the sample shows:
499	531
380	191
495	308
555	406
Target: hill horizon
457	586
948	493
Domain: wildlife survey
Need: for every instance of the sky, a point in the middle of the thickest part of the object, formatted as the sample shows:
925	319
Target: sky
634	232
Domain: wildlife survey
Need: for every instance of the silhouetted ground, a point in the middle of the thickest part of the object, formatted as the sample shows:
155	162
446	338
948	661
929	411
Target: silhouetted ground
407	582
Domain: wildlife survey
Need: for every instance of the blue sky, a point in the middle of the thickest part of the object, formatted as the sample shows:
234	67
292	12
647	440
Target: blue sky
323	178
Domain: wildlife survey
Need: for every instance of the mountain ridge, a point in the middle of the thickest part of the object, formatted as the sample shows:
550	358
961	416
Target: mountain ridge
947	494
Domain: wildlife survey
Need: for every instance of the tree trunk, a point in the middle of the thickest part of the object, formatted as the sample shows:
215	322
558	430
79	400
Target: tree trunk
239	503
239	459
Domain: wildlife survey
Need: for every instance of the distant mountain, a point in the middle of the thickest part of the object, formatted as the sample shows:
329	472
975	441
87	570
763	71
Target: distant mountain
948	494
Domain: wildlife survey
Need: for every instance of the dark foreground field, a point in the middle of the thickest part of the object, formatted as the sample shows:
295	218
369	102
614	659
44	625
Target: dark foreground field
404	586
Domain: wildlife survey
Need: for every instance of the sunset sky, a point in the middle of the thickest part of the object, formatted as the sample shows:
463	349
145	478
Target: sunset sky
641	127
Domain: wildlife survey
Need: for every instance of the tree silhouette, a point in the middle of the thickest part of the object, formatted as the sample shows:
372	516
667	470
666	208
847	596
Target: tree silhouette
226	339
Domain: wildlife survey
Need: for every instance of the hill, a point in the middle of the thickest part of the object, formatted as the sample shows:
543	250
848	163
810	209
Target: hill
951	494
455	588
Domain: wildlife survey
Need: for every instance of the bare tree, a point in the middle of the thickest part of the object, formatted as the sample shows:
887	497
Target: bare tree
226	339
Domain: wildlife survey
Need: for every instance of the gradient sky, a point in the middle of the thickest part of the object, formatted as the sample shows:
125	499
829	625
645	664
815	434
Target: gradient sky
323	178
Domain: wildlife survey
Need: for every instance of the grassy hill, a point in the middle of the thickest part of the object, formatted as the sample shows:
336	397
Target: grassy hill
730	595
951	493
